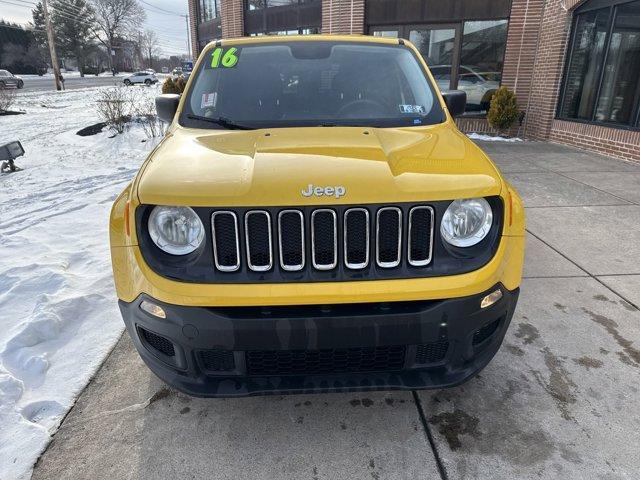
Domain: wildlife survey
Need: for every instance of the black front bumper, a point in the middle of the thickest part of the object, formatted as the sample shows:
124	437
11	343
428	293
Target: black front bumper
237	351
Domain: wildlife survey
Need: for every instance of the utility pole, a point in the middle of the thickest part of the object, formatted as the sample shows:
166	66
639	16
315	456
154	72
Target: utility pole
52	46
186	17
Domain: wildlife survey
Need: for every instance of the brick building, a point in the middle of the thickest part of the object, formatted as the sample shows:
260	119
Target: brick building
573	64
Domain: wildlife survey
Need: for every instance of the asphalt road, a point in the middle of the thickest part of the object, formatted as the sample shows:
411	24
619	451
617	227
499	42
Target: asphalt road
46	82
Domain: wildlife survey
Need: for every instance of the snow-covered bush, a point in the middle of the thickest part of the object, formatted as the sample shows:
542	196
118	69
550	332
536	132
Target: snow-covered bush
7	98
145	111
115	106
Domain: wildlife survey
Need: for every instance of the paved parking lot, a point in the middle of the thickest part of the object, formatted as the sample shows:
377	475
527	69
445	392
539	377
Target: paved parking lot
560	400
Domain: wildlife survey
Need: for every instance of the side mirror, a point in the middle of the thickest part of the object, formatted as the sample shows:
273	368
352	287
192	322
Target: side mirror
456	101
167	106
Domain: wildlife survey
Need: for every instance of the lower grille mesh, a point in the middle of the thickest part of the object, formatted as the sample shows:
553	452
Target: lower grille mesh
217	360
432	352
158	342
309	362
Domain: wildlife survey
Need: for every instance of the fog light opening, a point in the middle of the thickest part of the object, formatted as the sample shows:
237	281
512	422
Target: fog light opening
490	299
153	309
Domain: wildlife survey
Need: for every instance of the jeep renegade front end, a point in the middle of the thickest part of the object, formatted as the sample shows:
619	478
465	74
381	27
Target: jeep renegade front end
314	221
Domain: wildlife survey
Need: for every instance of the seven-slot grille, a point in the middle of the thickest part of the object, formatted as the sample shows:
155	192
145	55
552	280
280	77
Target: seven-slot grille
323	238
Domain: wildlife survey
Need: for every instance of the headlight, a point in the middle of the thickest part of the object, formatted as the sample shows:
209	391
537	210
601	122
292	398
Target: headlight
176	230
466	222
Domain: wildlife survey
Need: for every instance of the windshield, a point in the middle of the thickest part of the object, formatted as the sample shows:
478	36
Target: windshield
310	83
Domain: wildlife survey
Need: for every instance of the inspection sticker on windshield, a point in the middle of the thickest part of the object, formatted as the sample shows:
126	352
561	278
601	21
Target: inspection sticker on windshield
209	100
411	108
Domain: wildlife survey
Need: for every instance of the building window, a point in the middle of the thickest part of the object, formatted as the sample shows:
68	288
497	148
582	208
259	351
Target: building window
462	55
209	9
260	4
481	61
602	74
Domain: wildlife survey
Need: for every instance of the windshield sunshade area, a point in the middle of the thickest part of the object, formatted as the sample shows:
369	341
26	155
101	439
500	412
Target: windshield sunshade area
310	84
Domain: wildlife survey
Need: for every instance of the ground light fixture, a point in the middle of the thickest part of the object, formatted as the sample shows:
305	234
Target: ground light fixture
490	299
153	309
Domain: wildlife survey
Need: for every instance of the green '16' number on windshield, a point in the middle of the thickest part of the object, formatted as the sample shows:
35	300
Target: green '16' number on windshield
220	58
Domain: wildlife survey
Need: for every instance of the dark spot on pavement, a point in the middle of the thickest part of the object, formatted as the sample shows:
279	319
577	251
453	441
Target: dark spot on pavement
588	362
307	403
343	425
300	420
627	305
560	386
159	395
185	410
364	402
600	297
624	358
527	332
604	351
389	401
559	306
372	466
514	350
451	425
612	329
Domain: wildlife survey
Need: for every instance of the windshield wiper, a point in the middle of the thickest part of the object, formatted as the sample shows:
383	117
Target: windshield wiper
221	121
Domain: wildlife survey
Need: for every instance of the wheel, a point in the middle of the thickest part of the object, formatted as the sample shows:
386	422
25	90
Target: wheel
2	86
147	82
127	82
20	84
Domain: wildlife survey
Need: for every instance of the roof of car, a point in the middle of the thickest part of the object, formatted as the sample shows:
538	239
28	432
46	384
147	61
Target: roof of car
308	38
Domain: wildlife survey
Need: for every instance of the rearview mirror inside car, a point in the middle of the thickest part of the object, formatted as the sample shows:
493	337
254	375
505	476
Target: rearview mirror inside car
166	106
456	101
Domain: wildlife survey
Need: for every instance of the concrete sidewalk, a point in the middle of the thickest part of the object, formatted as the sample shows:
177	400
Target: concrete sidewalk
560	400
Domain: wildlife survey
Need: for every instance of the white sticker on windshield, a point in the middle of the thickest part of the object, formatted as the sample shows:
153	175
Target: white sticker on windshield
208	100
411	108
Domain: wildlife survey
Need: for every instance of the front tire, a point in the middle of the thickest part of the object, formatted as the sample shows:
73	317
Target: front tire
147	82
20	84
127	82
2	86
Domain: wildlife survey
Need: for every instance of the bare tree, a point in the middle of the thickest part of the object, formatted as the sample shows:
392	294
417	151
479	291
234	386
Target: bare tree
150	45
116	18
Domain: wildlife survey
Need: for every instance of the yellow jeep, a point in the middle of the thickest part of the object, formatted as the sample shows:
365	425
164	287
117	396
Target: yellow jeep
313	221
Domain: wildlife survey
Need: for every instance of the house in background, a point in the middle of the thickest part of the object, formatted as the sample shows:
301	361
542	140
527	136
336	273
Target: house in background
573	64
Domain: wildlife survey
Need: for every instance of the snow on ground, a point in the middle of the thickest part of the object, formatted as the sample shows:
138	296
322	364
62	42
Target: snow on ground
491	138
58	310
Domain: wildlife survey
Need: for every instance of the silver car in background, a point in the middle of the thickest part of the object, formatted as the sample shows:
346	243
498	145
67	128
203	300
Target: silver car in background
8	79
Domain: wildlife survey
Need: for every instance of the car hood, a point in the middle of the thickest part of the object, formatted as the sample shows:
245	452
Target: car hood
273	167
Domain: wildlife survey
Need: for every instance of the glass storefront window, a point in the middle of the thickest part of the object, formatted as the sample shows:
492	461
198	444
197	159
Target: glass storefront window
256	4
461	55
583	72
385	33
436	46
481	60
209	9
602	76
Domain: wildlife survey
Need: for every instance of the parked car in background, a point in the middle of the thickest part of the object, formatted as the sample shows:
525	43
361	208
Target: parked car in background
176	72
141	77
8	79
479	86
150	70
165	70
